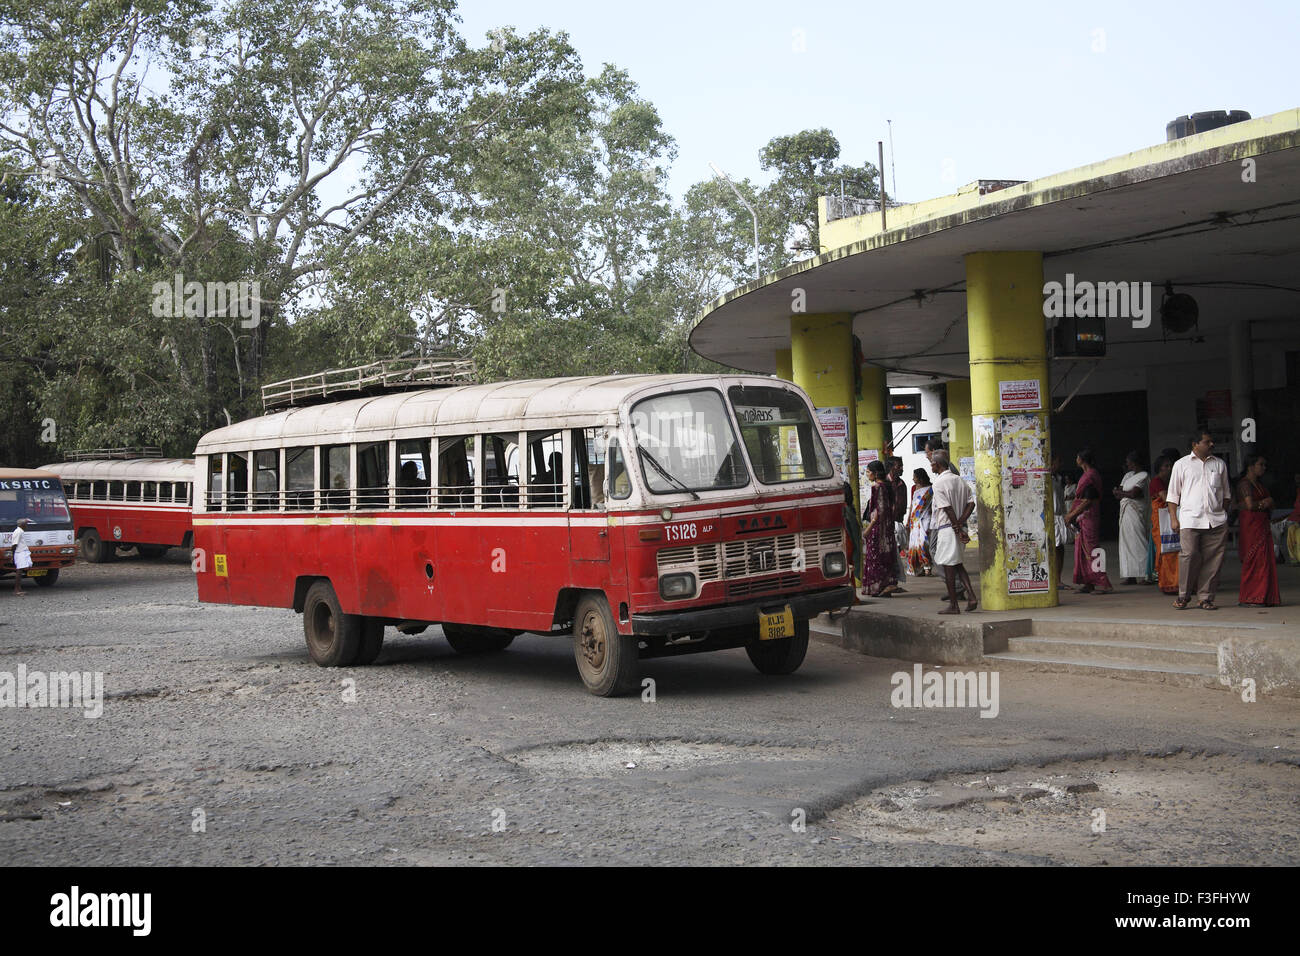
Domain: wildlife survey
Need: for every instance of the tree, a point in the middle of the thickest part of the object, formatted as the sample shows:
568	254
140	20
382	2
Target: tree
805	169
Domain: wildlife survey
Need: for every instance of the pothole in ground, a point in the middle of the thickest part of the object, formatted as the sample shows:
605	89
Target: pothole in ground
610	758
1181	809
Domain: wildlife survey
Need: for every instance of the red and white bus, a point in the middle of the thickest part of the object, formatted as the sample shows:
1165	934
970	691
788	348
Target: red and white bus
642	515
117	504
36	495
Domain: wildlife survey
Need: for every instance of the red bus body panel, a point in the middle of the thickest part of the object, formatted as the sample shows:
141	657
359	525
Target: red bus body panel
133	523
498	568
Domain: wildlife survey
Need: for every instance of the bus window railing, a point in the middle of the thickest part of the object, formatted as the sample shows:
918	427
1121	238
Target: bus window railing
492	496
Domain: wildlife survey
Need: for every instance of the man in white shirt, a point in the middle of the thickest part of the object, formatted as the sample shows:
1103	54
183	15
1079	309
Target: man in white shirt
950	508
22	555
1198	497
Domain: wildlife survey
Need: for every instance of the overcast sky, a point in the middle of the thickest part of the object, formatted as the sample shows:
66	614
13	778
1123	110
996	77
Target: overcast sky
975	90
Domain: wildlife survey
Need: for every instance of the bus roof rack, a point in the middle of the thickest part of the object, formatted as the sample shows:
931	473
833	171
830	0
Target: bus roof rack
95	454
376	378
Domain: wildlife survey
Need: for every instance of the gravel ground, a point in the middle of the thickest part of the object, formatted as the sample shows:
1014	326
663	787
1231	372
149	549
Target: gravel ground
220	742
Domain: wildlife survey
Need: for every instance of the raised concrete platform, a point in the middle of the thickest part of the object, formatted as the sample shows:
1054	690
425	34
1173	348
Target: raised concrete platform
1134	633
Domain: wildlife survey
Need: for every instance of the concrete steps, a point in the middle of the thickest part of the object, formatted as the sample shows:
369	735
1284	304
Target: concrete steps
1184	653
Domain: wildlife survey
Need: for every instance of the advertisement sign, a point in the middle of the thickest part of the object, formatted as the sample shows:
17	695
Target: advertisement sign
1019	396
834	424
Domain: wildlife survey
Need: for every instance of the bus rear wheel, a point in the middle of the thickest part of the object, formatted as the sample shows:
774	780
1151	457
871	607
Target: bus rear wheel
333	638
372	641
607	660
779	657
47	579
468	639
96	549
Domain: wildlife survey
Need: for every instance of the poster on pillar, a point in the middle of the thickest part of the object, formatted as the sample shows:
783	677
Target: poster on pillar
1025	477
834	424
865	457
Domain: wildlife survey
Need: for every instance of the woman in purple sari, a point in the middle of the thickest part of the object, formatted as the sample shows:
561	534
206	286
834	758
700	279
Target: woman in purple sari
879	544
1085	516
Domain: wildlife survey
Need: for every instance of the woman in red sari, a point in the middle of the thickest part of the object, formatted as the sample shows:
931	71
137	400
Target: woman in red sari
1086	518
1255	538
1166	561
879	545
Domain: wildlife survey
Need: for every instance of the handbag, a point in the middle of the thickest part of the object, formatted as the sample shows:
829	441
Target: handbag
1169	538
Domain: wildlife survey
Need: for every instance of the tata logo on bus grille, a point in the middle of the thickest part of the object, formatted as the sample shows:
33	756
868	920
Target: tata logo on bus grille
759	523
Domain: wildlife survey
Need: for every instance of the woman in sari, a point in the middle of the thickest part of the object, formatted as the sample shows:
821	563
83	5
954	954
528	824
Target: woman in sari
1085	516
1166	561
879	546
918	524
1255	538
1134	516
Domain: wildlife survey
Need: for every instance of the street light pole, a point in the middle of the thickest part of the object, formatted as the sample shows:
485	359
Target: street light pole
757	262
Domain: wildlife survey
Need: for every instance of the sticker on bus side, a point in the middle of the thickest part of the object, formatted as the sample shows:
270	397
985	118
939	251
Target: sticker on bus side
219	565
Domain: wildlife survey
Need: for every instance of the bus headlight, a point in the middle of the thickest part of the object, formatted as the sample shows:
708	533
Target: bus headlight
674	587
67	550
833	564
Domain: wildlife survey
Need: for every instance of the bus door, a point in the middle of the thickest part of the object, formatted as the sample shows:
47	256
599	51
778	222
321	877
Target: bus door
588	521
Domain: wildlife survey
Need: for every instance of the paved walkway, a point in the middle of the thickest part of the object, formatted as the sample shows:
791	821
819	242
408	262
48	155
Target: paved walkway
1142	603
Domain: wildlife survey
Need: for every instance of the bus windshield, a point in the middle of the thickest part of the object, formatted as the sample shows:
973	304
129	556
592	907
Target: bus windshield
685	442
39	500
780	436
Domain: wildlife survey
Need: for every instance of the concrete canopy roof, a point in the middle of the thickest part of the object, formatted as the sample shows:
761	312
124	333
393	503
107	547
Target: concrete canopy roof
1177	212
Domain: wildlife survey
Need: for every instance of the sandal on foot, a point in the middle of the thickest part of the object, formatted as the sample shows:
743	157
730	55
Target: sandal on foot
1208	606
1181	604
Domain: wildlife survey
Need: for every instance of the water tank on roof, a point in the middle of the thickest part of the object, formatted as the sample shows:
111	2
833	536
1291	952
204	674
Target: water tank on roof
1200	122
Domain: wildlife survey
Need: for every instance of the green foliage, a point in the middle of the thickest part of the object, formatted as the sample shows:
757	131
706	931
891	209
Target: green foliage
391	186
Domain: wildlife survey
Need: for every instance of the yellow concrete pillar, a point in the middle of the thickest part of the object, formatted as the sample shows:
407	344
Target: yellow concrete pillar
873	404
1010	404
821	362
960	439
784	365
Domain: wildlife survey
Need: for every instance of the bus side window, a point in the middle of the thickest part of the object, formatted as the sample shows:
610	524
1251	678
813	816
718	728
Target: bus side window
266	480
545	469
580	476
216	483
237	465
336	477
500	482
100	490
115	491
299	485
620	485
181	492
372	475
455	475
133	491
413	470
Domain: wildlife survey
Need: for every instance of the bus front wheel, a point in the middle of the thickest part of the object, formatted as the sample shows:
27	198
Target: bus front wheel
47	579
779	657
607	660
333	638
96	549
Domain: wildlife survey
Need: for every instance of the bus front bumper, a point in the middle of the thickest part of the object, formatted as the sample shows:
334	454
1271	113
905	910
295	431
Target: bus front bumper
804	606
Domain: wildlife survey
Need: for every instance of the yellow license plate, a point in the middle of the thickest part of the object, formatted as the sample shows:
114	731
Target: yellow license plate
775	627
36	572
